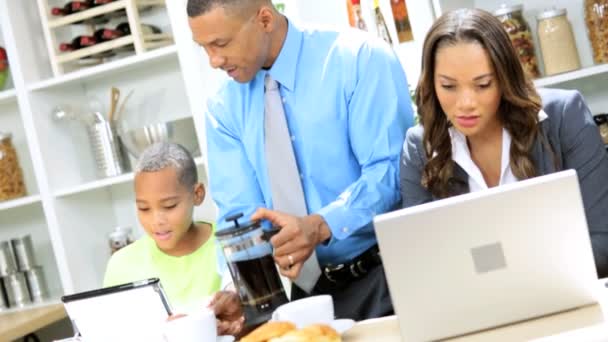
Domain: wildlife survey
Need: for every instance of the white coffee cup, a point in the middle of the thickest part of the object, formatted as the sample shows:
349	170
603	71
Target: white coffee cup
195	327
307	311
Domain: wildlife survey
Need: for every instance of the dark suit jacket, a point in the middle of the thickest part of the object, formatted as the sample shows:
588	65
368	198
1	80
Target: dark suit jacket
574	138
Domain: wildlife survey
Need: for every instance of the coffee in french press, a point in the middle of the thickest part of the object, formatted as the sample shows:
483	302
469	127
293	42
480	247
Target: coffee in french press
253	271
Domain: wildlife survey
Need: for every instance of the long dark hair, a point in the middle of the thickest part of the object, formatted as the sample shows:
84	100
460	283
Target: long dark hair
519	106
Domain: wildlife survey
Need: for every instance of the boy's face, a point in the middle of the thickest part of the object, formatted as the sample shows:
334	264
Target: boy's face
164	207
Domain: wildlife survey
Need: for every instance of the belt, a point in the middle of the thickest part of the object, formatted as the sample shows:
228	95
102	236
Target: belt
337	276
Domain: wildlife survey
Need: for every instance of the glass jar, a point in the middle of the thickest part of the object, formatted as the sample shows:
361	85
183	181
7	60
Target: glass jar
596	19
11	177
118	240
518	29
249	255
557	42
602	122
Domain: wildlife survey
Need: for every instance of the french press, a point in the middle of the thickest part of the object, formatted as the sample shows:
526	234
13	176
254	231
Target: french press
252	267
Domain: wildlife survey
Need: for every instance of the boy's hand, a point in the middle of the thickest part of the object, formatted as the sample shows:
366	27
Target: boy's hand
227	308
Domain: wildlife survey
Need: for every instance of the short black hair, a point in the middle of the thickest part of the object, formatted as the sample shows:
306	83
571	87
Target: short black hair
200	7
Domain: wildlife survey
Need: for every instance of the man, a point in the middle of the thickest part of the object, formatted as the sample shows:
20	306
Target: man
344	100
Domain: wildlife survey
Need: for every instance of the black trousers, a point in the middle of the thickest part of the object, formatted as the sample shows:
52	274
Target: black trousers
364	298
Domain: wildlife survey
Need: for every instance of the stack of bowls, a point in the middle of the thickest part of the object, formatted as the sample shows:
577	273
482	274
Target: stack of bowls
180	131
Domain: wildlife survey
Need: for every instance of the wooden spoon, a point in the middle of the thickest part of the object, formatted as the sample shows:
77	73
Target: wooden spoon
114	98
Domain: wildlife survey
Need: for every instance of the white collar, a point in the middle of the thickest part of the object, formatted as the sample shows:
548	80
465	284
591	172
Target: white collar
462	155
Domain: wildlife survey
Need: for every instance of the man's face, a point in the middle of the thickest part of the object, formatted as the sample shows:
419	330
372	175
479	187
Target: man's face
236	44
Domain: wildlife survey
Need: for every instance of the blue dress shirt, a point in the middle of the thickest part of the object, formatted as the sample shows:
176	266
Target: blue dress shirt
347	106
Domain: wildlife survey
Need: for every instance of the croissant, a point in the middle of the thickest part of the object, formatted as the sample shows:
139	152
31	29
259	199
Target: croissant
286	332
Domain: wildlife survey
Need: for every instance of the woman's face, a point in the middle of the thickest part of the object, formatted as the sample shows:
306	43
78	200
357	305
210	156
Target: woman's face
467	88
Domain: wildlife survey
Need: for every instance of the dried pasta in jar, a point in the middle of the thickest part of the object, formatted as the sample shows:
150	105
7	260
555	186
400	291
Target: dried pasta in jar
11	178
516	26
596	20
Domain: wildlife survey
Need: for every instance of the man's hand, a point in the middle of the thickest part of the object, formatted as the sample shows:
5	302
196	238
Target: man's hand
296	240
228	311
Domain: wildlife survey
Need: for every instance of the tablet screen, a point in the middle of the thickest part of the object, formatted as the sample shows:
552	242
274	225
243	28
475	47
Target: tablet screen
130	312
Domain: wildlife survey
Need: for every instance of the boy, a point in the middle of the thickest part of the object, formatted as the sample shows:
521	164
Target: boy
183	254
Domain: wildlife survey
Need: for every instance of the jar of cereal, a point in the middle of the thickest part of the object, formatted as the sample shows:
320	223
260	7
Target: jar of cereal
557	42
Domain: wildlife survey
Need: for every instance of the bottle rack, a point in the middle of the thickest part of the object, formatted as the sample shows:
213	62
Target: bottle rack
141	42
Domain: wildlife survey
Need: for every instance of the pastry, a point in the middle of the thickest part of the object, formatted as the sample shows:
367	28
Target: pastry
268	331
312	333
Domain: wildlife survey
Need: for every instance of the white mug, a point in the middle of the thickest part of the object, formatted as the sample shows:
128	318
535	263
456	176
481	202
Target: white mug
198	326
306	311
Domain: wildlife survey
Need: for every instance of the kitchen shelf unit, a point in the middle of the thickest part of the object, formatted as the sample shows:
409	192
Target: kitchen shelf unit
20	202
7	96
591	80
68	210
141	42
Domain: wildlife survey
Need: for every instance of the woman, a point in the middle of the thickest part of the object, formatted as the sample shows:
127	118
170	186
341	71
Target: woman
483	124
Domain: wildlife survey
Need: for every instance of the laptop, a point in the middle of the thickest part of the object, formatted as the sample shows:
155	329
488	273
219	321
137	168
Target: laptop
489	258
135	311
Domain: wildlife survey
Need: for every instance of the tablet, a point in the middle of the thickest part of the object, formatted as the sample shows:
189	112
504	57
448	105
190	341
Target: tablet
128	312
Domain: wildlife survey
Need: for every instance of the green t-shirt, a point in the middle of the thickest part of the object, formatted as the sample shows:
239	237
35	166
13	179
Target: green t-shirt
187	280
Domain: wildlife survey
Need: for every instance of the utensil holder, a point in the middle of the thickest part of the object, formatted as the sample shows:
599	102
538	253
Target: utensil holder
109	154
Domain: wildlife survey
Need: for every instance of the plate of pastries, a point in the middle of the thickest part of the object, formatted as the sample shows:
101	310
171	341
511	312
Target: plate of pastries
281	331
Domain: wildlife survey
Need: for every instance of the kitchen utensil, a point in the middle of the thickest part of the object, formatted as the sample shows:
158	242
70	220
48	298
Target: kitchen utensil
24	252
3	298
180	131
110	157
122	106
252	267
16	290
114	99
36	283
7	263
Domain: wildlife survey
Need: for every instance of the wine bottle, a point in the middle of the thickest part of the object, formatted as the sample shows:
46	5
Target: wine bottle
146	29
71	7
78	43
103	35
357	15
79	6
402	20
381	24
100	36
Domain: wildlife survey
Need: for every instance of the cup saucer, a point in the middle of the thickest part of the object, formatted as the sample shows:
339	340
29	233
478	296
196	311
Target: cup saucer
342	325
225	338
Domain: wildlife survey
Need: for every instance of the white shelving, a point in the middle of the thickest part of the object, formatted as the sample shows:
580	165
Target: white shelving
108	69
576	17
595	70
20	202
7	96
70	211
128	177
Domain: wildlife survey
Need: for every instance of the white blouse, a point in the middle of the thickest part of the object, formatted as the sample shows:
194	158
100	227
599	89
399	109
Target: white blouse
462	156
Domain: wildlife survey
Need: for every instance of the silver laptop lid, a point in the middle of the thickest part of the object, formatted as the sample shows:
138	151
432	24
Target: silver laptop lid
489	258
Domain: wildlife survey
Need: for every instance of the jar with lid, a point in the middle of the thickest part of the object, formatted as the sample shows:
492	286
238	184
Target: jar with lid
557	43
596	19
11	177
518	29
602	122
118	240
